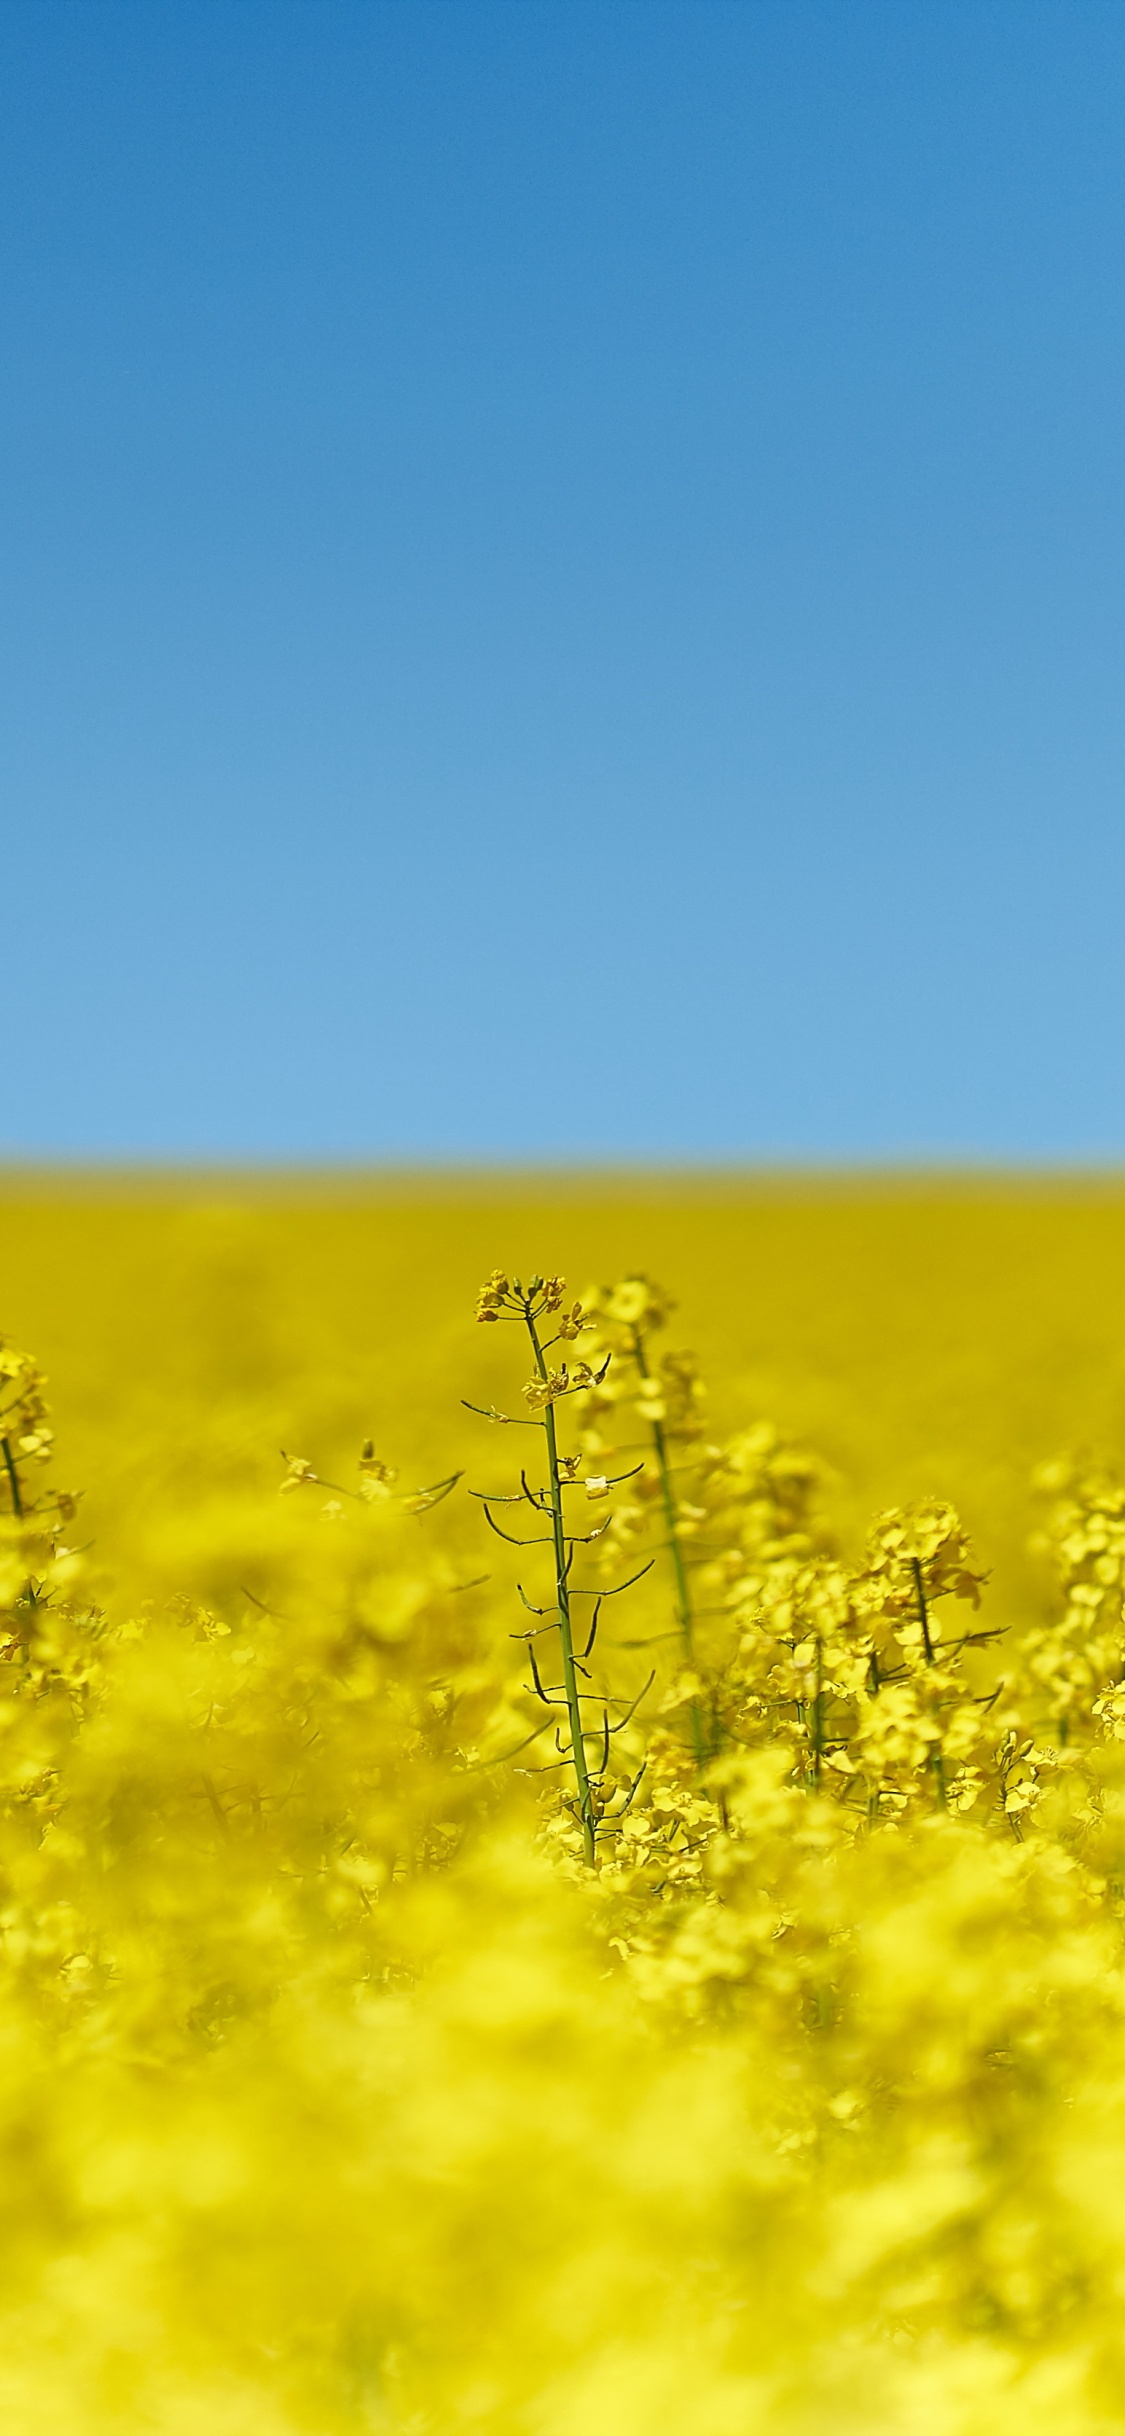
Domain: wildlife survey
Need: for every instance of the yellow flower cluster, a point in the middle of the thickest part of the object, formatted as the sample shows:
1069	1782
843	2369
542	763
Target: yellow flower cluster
342	2093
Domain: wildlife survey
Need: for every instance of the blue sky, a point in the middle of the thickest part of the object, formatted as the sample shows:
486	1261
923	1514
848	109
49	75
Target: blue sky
563	574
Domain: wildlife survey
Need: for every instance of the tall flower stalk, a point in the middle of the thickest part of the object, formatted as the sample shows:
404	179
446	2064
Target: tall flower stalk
685	1616
30	1524
583	1742
666	1400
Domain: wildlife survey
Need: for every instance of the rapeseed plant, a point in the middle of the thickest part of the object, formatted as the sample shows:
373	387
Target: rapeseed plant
601	1802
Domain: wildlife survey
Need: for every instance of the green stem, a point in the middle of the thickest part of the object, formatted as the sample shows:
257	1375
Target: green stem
923	1610
684	1616
562	1593
818	1713
937	1757
13	1478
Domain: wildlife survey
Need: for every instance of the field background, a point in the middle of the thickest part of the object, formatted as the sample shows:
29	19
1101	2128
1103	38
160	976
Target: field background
928	1337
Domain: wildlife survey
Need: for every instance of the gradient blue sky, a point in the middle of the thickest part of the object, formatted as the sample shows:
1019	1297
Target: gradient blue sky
563	578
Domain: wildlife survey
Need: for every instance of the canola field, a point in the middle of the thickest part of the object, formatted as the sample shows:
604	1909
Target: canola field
562	1807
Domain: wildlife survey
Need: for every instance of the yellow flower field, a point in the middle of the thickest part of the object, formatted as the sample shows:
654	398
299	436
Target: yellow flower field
664	1977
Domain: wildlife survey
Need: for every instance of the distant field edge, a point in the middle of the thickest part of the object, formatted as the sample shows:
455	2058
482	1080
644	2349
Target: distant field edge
489	1180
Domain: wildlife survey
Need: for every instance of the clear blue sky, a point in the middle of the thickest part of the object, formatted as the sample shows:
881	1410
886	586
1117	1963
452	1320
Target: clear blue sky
563	578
